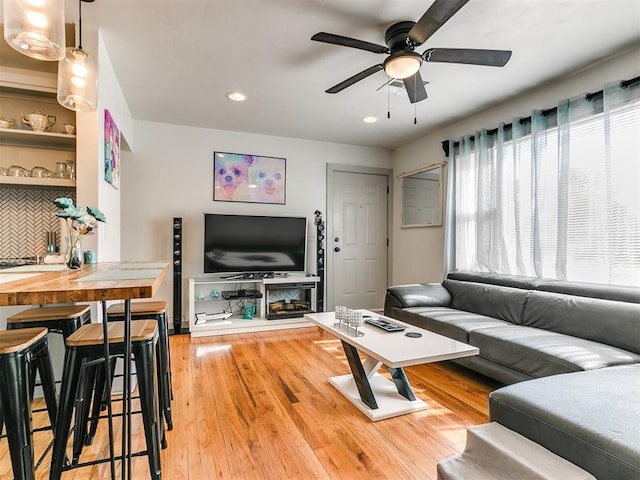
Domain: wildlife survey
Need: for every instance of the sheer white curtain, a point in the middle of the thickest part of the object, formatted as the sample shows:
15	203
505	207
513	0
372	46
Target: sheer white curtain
556	196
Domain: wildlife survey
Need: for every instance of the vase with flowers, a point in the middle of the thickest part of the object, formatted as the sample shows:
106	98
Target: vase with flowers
80	222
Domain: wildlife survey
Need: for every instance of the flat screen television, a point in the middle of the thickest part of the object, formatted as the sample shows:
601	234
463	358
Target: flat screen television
248	243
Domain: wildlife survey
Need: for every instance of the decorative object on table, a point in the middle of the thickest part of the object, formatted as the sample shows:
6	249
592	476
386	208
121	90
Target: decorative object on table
248	311
80	222
348	319
39	122
5	123
249	178
90	257
111	151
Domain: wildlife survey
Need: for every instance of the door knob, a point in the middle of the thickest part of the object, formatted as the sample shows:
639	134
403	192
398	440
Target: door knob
337	249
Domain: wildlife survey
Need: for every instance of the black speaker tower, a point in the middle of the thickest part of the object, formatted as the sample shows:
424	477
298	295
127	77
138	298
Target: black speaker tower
319	260
177	274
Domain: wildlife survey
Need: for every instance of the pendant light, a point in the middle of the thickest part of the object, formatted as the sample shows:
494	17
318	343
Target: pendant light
78	75
35	28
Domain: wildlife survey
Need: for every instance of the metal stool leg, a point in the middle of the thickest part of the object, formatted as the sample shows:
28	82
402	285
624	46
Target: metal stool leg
145	366
15	399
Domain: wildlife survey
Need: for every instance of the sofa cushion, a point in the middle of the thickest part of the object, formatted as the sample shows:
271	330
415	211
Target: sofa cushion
451	323
619	293
540	353
419	295
504	303
516	281
590	418
606	321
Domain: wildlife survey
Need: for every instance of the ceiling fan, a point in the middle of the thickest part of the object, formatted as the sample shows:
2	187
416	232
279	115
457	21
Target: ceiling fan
403	62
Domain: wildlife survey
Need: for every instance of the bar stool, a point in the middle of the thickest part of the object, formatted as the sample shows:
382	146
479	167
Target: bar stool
158	311
64	319
18	349
85	347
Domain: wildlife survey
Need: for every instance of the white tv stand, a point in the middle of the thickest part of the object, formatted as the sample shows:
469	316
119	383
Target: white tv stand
258	291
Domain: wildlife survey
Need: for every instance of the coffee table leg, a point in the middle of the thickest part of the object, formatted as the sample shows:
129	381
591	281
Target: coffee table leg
360	376
402	383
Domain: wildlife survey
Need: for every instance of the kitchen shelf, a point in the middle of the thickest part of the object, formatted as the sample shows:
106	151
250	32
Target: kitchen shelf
30	138
38	182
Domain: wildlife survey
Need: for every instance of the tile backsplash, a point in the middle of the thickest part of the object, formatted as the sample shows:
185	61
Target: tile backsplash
26	214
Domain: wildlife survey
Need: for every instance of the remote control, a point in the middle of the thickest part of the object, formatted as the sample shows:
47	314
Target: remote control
385	325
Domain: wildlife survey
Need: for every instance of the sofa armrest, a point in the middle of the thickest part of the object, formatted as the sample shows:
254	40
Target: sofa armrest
416	295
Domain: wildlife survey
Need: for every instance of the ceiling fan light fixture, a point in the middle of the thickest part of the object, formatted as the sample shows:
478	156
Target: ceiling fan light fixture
35	28
402	65
370	119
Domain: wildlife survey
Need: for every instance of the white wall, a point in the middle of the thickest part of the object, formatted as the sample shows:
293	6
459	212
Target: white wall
91	189
169	174
418	252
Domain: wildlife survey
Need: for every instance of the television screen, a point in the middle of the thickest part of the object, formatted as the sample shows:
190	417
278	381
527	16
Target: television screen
247	243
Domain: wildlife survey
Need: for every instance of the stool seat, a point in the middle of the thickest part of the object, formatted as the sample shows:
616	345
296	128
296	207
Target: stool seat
48	313
138	308
12	341
92	334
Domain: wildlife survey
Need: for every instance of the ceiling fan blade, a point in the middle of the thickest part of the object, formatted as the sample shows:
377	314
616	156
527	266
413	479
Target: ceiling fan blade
435	16
491	58
356	78
349	42
415	88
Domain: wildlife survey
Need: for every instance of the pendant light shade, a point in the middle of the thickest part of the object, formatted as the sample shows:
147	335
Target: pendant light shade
78	81
35	28
78	76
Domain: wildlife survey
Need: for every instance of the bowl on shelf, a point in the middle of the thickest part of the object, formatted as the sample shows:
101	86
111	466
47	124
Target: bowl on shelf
17	171
4	123
40	172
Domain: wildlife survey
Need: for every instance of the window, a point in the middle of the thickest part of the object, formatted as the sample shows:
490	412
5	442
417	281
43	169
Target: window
556	196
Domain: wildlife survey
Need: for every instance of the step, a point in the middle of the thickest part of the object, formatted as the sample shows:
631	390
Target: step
494	452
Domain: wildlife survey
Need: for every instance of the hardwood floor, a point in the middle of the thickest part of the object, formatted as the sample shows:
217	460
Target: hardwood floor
259	406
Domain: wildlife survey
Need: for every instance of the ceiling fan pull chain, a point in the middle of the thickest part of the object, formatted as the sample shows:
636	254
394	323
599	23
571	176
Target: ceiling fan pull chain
415	104
388	100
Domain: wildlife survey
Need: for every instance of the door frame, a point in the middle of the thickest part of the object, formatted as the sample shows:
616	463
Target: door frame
332	169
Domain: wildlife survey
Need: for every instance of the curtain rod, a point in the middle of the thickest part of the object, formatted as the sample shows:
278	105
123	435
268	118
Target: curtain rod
632	82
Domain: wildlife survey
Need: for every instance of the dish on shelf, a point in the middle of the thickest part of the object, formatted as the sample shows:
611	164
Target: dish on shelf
5	123
40	172
17	171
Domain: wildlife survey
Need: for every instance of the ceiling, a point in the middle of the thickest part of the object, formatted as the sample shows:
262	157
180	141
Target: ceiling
176	59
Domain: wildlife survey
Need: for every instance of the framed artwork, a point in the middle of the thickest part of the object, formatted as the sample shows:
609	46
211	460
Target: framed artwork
248	178
111	151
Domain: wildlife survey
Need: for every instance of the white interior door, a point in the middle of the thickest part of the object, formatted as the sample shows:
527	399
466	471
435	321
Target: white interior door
358	240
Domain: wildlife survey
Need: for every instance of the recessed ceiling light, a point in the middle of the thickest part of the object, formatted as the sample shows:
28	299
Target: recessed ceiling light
236	96
370	119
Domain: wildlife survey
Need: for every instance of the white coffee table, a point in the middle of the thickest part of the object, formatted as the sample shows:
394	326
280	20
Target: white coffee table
373	394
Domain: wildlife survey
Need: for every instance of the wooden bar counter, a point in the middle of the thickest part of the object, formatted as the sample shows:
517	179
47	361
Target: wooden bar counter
33	285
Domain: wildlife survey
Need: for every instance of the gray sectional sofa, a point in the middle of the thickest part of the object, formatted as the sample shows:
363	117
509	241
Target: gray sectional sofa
571	351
